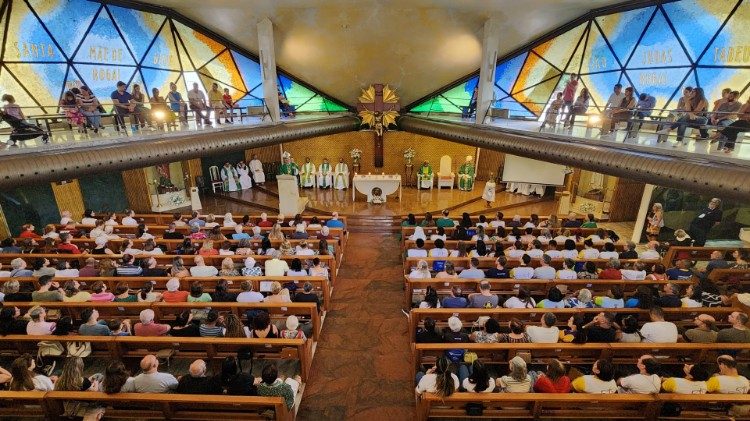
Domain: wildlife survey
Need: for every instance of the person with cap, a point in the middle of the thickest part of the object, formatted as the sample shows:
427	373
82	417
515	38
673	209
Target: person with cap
292	331
704	330
150	380
728	380
148	327
37	325
307	295
173	293
196	382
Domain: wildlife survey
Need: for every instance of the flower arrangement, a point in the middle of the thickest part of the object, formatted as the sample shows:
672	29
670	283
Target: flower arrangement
409	154
356	155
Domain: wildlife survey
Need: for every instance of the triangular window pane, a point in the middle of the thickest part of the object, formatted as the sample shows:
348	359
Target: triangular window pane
558	50
11	85
696	21
597	57
600	86
514	108
535	99
162	53
249	69
222	68
534	71
67	28
200	47
658	47
731	45
183	56
316	104
295	93
208	82
574	66
138	28
43	81
507	72
160	79
659	83
104	45
714	79
249	101
27	40
333	107
623	30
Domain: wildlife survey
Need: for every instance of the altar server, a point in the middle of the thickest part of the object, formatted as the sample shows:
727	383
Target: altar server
244	172
256	169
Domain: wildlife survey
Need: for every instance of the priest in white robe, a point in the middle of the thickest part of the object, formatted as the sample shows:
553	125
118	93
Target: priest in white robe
341	175
244	172
230	177
307	174
325	174
256	169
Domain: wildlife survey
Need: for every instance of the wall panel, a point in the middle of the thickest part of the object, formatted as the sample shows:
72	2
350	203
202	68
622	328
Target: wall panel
136	190
68	197
490	162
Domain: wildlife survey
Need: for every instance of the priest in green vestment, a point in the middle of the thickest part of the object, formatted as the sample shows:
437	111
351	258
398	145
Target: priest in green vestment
307	174
286	168
466	175
325	174
424	176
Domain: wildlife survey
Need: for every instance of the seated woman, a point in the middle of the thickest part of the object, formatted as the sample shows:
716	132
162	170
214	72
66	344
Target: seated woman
276	233
517	333
295	268
440	235
421	271
522	299
431	299
591	271
582	299
207	249
438	379
439	250
475	378
480	235
480	250
517	380
448	271
554	299
630	330
70	107
554	380
278	294
490	332
227	268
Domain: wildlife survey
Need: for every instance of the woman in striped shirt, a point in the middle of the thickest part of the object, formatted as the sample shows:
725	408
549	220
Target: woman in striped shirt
89	106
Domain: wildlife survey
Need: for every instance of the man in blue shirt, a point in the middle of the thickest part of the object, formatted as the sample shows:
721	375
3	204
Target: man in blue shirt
499	271
456	300
643	109
124	105
334	222
681	271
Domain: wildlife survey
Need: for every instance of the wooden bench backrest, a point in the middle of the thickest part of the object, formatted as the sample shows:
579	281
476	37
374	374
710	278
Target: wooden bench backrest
489	262
453	244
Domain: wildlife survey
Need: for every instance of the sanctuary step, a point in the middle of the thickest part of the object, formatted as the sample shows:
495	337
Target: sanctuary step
373	223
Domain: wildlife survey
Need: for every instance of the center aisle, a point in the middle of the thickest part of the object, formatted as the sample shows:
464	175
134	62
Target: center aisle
361	365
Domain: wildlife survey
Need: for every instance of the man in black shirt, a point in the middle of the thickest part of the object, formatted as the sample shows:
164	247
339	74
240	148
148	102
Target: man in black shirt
196	383
427	334
150	269
307	295
600	329
629	252
499	271
704	221
172	234
670	297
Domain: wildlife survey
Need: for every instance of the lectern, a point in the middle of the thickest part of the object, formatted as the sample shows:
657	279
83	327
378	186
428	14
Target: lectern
289	201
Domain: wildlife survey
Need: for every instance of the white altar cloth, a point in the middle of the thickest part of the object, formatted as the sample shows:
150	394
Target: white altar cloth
364	184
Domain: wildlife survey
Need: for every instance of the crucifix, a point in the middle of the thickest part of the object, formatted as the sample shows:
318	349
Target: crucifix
378	107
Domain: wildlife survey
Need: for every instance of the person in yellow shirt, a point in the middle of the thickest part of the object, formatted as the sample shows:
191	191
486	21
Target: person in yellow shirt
728	380
694	382
74	294
216	101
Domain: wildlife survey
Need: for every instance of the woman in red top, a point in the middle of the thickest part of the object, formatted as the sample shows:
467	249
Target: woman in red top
554	380
228	104
207	249
27	231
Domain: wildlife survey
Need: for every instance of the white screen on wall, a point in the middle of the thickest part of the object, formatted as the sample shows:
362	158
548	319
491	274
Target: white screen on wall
525	170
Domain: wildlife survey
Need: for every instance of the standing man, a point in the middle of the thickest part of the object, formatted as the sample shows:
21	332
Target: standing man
466	175
197	100
286	168
424	175
325	175
569	93
307	175
124	105
341	175
256	170
230	178
704	221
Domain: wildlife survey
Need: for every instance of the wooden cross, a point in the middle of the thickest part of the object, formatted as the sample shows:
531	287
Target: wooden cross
378	106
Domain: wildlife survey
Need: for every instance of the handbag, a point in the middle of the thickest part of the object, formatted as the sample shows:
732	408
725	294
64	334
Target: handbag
474	409
50	349
79	349
438	265
470	357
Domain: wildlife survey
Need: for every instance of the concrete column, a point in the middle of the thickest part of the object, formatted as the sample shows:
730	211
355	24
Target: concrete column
267	57
643	210
490	43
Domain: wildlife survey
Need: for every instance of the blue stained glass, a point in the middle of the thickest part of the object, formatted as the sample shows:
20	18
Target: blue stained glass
623	30
26	38
103	79
696	25
67	28
250	71
104	45
162	53
515	109
714	79
249	100
659	47
507	71
159	79
600	86
138	28
659	83
597	56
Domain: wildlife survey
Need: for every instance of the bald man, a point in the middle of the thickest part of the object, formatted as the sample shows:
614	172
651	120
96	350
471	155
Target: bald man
197	383
150	380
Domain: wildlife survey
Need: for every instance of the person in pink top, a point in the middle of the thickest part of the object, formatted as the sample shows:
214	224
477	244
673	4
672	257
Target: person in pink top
100	292
569	94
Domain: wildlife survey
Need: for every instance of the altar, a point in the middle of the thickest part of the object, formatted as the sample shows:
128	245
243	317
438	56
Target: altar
168	201
365	184
526	189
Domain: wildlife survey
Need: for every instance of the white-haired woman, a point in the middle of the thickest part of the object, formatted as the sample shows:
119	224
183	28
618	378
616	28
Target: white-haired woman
518	379
655	219
251	269
422	271
229	220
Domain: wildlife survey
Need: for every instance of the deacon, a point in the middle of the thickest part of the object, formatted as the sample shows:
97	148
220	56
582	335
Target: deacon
466	175
325	175
307	174
424	176
342	175
256	169
230	178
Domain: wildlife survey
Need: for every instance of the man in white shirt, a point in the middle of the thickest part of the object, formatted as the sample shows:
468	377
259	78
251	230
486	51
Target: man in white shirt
515	251
150	380
248	295
197	100
646	381
615	99
545	271
419	251
552	250
547	333
524	271
658	330
276	266
535	249
650	253
728	380
636	272
200	268
567	272
472	272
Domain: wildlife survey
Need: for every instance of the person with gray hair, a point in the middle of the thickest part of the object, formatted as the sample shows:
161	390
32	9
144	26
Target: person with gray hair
484	298
307	295
517	380
196	382
582	299
545	271
150	380
275	266
629	252
670	296
19	270
147	326
612	271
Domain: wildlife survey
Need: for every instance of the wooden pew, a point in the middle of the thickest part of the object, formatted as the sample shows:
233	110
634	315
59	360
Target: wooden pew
165	260
456	216
695	253
166	312
576	406
453	245
320	284
679	316
489	262
407	231
167	218
537	287
16	405
729	276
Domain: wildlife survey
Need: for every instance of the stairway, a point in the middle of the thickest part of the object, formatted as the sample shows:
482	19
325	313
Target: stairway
373	223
